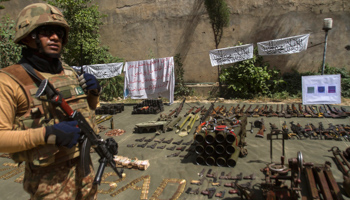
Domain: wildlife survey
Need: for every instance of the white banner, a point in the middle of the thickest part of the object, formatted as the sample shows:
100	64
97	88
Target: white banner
321	89
288	45
148	79
231	55
102	71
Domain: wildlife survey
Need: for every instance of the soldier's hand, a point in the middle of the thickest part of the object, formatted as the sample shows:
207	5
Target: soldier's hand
66	133
89	82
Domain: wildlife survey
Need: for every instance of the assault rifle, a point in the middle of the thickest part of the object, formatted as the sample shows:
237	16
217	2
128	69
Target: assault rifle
106	149
178	110
209	111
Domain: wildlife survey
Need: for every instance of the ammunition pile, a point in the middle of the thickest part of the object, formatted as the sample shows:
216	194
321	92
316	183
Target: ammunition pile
110	109
149	106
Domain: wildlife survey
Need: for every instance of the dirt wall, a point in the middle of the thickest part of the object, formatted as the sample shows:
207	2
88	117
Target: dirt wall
142	29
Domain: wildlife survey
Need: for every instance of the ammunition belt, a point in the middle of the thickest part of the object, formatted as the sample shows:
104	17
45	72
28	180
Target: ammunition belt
160	189
145	187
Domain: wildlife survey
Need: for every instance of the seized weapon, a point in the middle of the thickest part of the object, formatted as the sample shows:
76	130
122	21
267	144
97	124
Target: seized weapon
178	110
183	123
198	182
297	129
282	112
333	132
295	110
255	112
168	141
344	165
289	112
302	111
260	124
240	114
189	111
271	112
317	130
237	109
208	112
210	192
277	173
249	109
308	110
106	149
310	131
170	126
174	154
190	126
261	111
198	109
324	132
152	146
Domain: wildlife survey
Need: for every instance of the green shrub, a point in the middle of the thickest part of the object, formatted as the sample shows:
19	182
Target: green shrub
10	53
249	78
345	78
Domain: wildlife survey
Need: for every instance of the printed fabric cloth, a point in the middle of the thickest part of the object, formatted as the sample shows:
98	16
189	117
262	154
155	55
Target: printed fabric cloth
150	79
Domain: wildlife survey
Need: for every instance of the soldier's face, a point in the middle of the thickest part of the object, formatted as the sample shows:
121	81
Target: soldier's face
51	38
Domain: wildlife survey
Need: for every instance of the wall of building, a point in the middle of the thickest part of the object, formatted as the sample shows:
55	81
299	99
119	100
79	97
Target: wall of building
142	29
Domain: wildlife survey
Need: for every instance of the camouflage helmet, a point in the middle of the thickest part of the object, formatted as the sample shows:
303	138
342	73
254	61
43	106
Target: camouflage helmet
38	14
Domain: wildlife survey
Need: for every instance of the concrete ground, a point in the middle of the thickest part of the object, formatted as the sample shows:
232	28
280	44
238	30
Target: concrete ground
178	168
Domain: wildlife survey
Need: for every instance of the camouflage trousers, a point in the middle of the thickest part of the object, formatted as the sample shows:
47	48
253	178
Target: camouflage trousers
60	183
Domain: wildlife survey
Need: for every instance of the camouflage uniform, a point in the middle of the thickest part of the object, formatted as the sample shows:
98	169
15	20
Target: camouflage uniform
51	172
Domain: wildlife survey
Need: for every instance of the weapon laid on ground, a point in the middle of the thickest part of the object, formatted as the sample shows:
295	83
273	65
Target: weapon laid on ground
282	112
271	112
255	111
208	112
296	129
299	114
106	149
344	165
260	124
189	111
301	109
178	110
249	110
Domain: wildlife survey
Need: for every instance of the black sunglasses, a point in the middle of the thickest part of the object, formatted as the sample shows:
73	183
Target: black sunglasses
50	30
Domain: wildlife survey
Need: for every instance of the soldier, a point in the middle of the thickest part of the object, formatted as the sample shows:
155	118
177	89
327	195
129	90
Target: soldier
36	132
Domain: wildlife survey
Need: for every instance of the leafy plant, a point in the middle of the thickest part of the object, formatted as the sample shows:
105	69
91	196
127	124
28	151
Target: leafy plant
180	88
345	78
250	78
219	16
112	87
10	53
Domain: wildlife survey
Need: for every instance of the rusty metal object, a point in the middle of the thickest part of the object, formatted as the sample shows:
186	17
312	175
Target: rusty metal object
344	165
311	182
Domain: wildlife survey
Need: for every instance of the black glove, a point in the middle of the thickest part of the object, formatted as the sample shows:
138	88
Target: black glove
89	82
67	133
